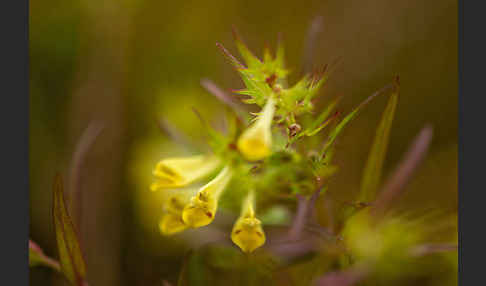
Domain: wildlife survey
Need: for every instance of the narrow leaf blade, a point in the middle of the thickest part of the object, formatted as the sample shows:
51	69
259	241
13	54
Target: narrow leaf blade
336	131
323	124
230	57
70	255
324	114
374	165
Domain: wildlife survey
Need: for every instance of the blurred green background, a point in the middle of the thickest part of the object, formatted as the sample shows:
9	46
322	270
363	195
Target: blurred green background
128	63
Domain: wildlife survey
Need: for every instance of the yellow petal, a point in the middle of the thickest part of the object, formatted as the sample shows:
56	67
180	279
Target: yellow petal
198	215
171	224
202	208
176	201
256	141
179	172
247	232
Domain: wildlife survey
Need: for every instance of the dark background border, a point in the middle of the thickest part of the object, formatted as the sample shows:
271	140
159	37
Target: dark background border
472	209
14	117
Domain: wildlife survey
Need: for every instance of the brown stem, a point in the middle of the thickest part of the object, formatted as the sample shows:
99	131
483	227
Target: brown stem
305	212
84	144
308	57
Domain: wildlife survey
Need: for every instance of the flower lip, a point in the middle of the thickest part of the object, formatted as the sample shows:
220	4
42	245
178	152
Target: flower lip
197	216
202	208
173	205
171	224
248	234
247	231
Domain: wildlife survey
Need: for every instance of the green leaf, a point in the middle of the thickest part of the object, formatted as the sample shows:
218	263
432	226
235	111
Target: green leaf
251	60
259	77
313	130
70	256
37	257
324	115
230	57
337	130
374	165
256	85
316	80
297	99
322	168
320	127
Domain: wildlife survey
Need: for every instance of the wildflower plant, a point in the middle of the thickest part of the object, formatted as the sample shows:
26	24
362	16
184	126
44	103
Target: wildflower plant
258	162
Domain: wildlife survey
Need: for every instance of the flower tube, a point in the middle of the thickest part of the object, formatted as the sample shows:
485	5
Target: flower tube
247	231
179	172
202	207
256	141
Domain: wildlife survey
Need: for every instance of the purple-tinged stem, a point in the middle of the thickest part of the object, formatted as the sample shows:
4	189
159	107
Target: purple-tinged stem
403	173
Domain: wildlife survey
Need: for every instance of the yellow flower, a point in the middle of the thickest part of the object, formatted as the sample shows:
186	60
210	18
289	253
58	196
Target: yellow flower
171	224
256	141
247	232
174	203
202	207
179	172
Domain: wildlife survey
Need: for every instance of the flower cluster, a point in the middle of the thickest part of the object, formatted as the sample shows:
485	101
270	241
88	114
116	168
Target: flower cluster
197	208
237	155
261	164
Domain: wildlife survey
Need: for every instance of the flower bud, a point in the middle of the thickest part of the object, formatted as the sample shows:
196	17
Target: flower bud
256	141
294	129
179	172
247	231
202	207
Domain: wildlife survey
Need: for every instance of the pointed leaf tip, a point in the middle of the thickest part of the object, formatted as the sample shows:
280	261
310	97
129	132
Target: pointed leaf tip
70	255
37	257
340	126
230	57
234	32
